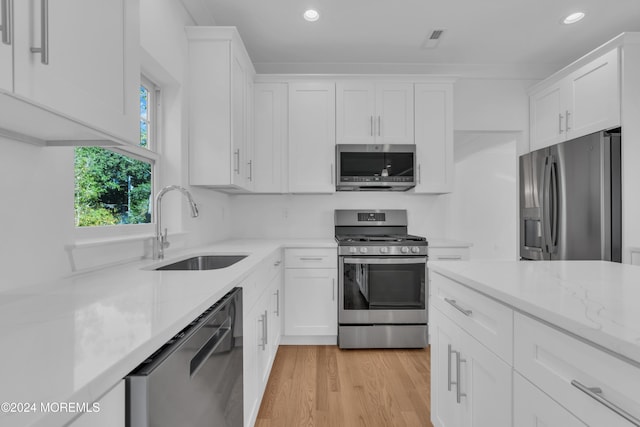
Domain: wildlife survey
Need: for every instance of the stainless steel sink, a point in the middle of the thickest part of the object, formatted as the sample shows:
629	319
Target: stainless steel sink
204	262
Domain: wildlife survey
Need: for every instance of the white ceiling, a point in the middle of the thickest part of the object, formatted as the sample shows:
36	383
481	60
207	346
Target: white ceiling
503	36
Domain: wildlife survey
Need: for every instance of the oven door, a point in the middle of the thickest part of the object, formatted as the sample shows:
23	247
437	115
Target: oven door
382	290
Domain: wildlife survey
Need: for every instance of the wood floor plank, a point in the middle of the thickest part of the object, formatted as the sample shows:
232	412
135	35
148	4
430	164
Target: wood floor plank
323	386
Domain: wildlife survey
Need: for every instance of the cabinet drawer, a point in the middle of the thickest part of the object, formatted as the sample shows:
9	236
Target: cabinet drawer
488	321
533	408
558	364
448	254
311	258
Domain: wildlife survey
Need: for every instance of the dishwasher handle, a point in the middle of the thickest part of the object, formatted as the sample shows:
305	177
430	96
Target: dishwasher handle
210	347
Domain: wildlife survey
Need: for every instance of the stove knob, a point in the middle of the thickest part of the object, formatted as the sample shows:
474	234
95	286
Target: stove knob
404	250
415	249
363	250
384	250
353	250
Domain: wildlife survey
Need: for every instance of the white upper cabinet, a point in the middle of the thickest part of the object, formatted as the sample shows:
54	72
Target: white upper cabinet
270	137
585	101
312	136
220	115
434	137
6	46
374	112
76	70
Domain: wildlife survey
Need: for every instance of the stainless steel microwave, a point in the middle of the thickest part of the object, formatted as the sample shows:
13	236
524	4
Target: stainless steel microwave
375	167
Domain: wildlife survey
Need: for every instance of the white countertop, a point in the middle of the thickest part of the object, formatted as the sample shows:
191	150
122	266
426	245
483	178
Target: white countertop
73	339
597	301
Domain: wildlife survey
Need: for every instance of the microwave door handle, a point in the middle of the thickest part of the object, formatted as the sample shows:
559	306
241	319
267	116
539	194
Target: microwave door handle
386	261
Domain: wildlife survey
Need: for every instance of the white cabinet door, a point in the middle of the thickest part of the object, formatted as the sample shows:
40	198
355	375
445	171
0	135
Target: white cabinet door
533	408
89	69
445	411
394	110
276	307
310	302
312	135
6	47
486	381
471	386
111	412
434	137
238	121
547	117
270	136
355	112
594	96
249	180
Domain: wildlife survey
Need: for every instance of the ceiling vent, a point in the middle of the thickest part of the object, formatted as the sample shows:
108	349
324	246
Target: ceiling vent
432	40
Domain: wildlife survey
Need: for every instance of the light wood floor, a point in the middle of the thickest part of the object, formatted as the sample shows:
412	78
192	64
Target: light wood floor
325	386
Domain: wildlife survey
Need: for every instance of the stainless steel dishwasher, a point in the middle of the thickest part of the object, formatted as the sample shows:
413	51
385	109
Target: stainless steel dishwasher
195	379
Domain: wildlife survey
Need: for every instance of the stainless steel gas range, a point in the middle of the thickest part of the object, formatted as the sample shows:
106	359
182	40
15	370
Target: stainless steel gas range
382	275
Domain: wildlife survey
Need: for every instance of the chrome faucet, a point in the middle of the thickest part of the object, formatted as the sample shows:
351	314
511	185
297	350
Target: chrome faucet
161	239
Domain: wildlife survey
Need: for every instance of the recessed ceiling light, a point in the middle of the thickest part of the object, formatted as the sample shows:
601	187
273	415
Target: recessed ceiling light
573	18
311	15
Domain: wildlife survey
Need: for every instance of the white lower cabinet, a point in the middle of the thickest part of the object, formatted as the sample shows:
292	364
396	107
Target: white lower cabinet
111	410
311	293
471	386
262	326
533	408
481	350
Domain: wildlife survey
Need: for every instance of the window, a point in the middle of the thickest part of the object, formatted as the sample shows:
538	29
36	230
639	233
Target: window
115	186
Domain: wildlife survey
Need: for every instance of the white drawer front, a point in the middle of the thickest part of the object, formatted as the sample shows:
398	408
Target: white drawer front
553	360
311	258
533	408
448	254
487	320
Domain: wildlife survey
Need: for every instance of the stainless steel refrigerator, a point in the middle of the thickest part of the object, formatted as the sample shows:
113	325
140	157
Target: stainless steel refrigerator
570	200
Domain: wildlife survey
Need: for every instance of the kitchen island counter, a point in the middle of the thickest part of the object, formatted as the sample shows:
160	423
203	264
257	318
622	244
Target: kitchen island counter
595	301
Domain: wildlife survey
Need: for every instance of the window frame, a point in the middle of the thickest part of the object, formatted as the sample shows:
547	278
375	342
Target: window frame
149	154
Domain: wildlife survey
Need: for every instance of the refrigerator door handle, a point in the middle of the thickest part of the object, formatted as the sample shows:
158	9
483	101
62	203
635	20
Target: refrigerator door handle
546	204
553	168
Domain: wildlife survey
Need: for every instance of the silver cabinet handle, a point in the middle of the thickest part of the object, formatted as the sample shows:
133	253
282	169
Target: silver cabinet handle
379	126
310	259
43	50
596	394
236	153
560	117
7	20
266	329
566	121
459	393
371	125
457	307
250	163
277	294
450	257
333	289
449	381
263	340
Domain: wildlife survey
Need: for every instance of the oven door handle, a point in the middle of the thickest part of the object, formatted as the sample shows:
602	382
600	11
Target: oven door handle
386	261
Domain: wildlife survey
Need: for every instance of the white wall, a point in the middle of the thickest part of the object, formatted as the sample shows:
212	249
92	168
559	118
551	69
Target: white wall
483	206
37	183
297	216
